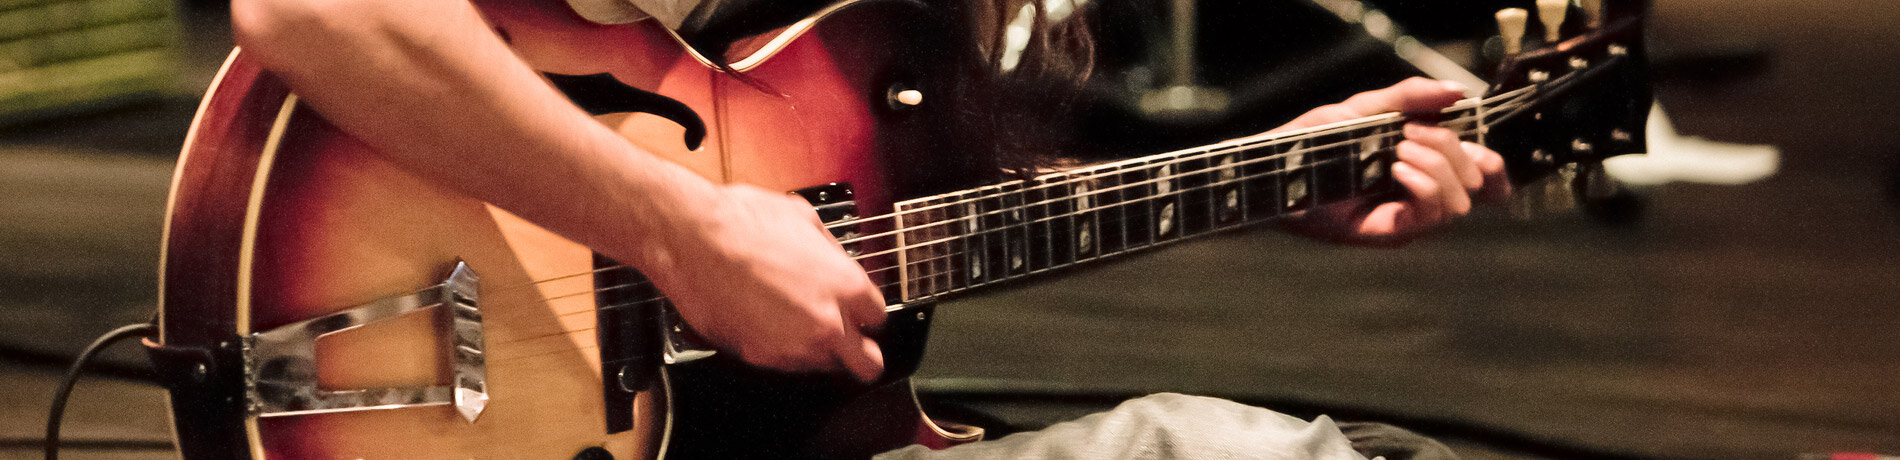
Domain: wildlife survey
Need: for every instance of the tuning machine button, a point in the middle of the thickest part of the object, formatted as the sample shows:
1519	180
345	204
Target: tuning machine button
1592	13
1511	23
1551	13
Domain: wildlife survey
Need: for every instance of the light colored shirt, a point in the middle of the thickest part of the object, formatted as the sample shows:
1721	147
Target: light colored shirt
669	12
1163	426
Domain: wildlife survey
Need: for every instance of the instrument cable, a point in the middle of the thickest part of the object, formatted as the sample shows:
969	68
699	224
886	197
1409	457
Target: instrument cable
72	377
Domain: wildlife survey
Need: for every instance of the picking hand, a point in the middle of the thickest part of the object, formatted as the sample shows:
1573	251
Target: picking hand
758	275
1442	176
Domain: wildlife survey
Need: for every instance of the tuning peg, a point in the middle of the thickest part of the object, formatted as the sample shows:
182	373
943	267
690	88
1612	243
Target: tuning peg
1511	23
1593	12
1551	13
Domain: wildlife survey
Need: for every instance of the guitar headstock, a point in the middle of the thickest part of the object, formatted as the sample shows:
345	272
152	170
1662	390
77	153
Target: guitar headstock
1586	90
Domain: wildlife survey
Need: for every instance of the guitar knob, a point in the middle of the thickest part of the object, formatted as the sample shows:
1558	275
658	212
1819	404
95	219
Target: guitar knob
905	98
1551	13
1511	22
1592	13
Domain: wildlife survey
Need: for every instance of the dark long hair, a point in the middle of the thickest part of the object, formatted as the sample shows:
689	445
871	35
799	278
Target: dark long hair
1003	105
1010	100
1024	92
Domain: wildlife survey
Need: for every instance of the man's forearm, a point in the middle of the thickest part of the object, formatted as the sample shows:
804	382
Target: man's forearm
432	87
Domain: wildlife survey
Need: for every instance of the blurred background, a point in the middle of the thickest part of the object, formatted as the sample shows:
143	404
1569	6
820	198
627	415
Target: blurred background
1747	311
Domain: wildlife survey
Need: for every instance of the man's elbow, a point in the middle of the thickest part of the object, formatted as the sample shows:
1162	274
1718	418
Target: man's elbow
276	30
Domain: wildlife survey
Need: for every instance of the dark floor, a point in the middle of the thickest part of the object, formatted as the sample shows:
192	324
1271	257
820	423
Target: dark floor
1753	321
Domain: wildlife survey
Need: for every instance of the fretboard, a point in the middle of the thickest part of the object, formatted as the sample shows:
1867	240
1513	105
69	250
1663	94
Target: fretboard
958	241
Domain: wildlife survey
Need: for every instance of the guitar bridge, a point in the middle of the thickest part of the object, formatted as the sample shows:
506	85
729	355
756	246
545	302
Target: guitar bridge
280	377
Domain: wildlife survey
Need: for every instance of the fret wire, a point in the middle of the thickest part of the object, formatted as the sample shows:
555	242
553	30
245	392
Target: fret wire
1493	101
1241	189
1213	207
1302	150
1150	219
1167	178
985	232
1122	206
903	258
970	227
1013	235
1273	139
981	266
1095	229
959	233
942	280
1482	112
1308	149
913	239
1101	256
1049	232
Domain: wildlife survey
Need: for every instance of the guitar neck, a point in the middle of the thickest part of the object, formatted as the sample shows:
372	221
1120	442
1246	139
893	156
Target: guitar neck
955	242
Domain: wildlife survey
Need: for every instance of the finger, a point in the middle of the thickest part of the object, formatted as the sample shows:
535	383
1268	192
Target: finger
1456	201
1426	207
1419	97
806	211
1414	96
1326	114
1497	182
1447	144
860	355
865	307
1384	221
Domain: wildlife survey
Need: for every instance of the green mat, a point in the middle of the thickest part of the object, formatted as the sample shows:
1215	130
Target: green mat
64	56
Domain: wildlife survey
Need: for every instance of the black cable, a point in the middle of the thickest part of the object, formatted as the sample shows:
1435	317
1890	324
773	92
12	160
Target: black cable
72	377
14	354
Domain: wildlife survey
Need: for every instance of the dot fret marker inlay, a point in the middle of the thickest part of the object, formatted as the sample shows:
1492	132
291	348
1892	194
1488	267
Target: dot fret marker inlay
1165	222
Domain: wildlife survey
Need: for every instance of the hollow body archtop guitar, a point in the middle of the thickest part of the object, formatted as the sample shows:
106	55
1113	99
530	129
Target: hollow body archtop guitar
319	302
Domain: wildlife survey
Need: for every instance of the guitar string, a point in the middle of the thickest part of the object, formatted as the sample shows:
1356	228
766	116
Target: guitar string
948	272
950	253
1074	180
1173	194
1126	248
1214	169
1260	140
1506	99
1512	98
1045	203
1053	198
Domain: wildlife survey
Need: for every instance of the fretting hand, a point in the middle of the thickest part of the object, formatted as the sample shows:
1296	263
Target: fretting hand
758	275
1442	175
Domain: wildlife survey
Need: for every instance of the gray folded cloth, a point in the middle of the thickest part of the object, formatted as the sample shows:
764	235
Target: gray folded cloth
1375	440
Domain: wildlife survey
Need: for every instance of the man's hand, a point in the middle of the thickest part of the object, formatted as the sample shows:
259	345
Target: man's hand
758	275
1442	175
433	88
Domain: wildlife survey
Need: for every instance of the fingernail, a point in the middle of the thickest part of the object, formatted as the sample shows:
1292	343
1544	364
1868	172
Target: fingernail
1455	87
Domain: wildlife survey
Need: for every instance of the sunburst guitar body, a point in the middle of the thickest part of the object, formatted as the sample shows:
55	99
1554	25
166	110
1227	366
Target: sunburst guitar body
307	311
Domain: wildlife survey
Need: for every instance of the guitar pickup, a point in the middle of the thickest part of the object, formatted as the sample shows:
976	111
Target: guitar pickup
837	208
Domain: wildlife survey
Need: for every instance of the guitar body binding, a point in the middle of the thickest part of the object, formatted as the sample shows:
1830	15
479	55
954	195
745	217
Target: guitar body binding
276	217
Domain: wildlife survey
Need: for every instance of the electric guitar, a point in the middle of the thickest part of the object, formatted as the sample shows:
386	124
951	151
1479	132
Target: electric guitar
319	302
